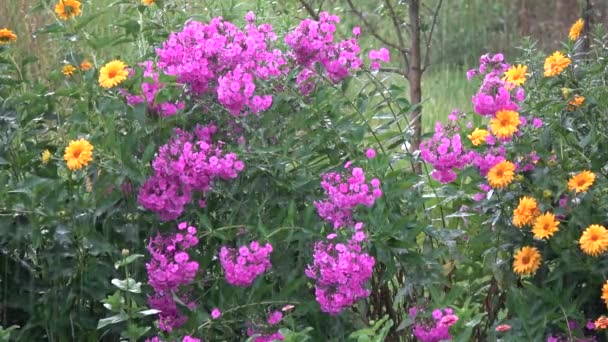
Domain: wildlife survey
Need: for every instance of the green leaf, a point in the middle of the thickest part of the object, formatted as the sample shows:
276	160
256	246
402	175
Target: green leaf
104	322
128	284
127	260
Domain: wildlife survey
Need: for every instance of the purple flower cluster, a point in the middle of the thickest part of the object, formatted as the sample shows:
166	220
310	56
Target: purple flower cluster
312	42
169	269
340	271
494	93
242	266
149	91
438	329
445	152
187	163
185	339
220	57
344	194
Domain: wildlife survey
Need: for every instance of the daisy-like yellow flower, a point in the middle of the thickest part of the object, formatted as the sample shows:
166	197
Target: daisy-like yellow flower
594	240
65	9
501	175
147	2
7	36
45	157
68	70
605	292
85	65
545	226
526	212
576	29
556	63
526	260
601	323
581	182
78	154
113	74
478	136
516	75
505	123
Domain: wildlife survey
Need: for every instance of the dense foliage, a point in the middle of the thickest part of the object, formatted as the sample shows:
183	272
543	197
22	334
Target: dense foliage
231	180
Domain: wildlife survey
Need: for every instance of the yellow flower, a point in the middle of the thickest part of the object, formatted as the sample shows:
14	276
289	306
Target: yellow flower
594	240
516	75
576	102
501	175
113	74
545	226
85	65
147	2
605	292
556	63
601	323
7	36
68	70
581	182
505	123
576	29
45	157
478	136
78	154
66	9
526	211
526	260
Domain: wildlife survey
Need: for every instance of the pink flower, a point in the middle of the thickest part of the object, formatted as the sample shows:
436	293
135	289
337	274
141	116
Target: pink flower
356	30
503	328
370	153
216	313
275	317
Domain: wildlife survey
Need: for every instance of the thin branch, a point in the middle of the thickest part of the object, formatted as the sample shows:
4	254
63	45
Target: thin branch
373	31
393	70
311	11
427	53
398	32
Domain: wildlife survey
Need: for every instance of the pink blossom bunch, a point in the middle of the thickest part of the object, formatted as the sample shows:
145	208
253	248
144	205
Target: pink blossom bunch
220	58
169	269
244	264
149	91
377	56
435	330
312	43
187	163
344	194
185	339
340	272
445	152
494	93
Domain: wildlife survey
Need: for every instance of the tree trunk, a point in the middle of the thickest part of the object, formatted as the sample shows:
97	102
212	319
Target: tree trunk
415	77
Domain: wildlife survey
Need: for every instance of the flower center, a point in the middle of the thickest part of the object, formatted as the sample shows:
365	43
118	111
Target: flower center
525	259
76	153
594	237
500	173
112	73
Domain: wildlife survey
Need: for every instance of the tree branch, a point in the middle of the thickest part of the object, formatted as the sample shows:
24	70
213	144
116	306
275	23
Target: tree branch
311	11
394	70
373	31
427	52
398	32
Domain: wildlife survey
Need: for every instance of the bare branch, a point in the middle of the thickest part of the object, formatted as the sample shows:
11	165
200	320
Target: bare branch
311	11
373	31
398	32
394	70
427	52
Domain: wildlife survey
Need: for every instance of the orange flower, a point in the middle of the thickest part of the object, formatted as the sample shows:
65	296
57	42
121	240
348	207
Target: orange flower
556	63
65	9
576	102
505	123
582	181
516	75
501	175
85	65
7	36
576	29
